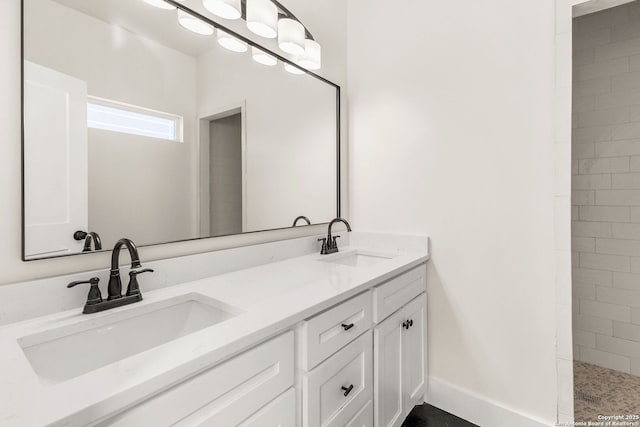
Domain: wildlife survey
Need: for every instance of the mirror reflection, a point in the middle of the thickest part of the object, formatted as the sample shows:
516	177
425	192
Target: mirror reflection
136	126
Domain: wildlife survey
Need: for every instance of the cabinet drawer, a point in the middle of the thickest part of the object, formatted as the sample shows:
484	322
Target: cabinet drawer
279	413
364	418
222	395
395	293
328	332
348	371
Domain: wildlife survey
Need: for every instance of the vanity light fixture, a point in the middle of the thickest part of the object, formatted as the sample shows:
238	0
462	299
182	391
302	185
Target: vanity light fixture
266	18
311	59
262	18
291	36
262	57
293	70
230	42
227	9
160	4
194	24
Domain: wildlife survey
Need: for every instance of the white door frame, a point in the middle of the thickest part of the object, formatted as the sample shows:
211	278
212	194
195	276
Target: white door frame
562	193
204	118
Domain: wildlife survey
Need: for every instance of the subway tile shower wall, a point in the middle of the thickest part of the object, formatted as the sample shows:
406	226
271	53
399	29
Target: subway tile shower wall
606	188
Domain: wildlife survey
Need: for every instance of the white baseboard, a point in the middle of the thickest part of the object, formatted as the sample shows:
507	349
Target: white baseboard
477	409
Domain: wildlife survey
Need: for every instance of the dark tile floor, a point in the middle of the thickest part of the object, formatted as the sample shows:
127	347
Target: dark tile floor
430	416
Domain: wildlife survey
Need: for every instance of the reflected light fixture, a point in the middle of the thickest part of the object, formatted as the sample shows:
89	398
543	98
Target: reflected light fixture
262	57
161	4
266	18
262	18
227	9
293	70
194	24
230	42
311	59
291	35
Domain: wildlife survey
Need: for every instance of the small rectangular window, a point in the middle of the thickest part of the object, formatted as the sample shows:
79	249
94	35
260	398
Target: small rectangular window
124	118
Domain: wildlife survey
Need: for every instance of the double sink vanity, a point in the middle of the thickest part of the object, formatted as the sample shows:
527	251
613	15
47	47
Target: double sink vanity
313	340
295	332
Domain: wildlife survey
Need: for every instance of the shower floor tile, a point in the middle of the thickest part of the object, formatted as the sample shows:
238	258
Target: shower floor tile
602	391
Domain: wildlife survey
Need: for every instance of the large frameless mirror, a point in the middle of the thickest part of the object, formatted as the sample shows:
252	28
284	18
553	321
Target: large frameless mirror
142	122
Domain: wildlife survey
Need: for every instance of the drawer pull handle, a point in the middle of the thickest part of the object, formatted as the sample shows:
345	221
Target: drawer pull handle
347	327
347	390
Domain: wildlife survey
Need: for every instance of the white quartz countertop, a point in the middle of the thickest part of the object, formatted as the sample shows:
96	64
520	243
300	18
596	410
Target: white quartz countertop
273	297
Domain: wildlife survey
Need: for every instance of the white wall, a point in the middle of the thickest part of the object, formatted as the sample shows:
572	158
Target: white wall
328	19
451	134
141	188
290	124
157	177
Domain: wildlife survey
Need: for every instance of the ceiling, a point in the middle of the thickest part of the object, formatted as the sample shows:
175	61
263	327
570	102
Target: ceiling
585	7
147	21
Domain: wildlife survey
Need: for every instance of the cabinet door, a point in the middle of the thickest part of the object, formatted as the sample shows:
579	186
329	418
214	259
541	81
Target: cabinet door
388	368
364	418
414	353
337	389
224	395
279	413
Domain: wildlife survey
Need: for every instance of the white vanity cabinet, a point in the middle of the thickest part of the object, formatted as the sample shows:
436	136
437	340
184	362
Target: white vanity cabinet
336	358
399	343
336	391
359	363
279	413
226	394
388	372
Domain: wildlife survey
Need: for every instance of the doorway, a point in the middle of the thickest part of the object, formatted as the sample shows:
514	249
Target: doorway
222	177
605	213
225	175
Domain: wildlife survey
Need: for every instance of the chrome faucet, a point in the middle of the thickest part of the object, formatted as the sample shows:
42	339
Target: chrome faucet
95	303
329	243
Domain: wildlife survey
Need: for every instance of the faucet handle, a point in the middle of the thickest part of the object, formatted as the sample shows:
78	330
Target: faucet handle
334	244
323	251
133	288
144	270
94	296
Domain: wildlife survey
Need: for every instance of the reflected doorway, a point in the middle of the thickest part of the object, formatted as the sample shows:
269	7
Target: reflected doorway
222	177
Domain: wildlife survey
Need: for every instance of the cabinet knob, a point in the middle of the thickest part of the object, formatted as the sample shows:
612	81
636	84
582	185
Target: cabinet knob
405	324
410	322
347	327
347	390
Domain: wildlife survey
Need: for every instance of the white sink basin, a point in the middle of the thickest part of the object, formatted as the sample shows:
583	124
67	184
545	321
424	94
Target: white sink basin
357	258
60	354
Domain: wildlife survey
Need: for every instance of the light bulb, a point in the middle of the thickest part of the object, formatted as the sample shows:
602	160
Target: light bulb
291	36
262	18
227	9
230	42
194	24
293	70
263	57
311	59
